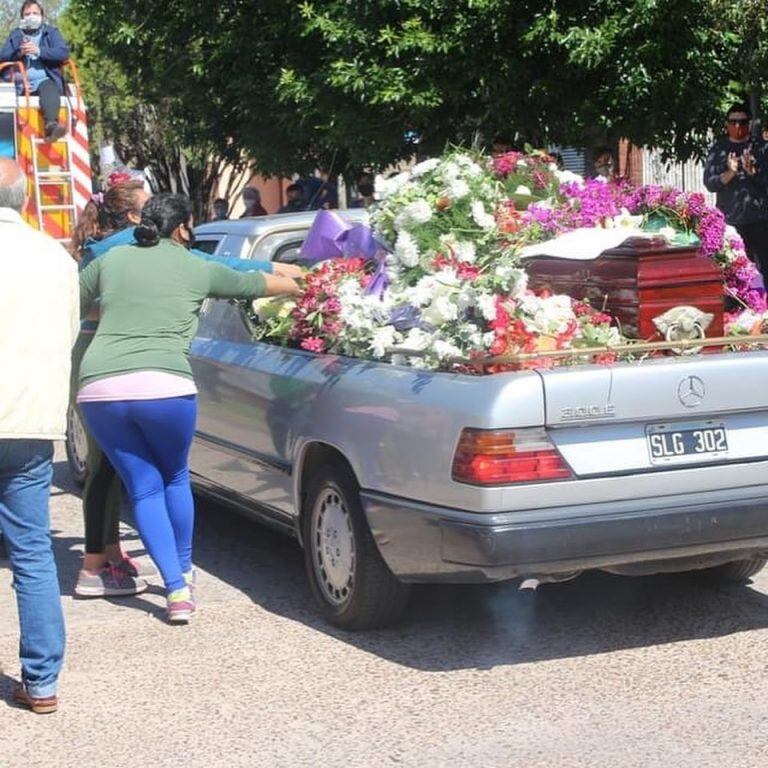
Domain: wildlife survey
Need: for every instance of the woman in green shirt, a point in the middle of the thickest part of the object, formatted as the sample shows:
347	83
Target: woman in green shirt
136	391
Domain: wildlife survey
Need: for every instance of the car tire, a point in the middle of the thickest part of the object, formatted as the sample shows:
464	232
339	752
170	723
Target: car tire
735	572
349	579
76	446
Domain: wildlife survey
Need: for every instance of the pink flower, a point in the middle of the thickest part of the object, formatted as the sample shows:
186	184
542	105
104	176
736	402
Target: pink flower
313	344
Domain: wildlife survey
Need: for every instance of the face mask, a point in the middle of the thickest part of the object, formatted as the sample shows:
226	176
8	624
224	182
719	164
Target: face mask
32	22
738	132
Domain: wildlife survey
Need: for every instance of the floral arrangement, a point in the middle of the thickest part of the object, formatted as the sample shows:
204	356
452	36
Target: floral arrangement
444	283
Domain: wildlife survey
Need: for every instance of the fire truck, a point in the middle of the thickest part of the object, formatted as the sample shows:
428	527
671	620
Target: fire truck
59	172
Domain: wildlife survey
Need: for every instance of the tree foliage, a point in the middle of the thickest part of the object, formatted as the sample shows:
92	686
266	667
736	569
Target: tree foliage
347	85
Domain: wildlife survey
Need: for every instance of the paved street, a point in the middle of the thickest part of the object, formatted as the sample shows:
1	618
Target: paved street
603	671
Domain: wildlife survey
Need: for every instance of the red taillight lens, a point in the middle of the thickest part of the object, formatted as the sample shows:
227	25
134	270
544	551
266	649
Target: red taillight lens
505	456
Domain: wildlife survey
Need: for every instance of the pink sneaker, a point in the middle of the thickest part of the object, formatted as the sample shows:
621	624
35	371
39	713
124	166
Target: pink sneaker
180	606
135	568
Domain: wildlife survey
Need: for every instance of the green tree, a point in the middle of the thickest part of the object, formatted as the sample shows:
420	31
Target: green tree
346	85
146	126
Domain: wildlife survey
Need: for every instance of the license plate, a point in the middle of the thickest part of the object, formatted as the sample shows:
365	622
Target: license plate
690	442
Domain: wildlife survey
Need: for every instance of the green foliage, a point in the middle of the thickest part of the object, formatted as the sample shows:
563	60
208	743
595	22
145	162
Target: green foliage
347	85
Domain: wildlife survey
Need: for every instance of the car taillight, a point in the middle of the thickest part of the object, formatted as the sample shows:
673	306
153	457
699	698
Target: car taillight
506	456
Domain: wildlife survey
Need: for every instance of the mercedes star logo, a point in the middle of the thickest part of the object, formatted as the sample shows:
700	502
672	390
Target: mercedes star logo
691	391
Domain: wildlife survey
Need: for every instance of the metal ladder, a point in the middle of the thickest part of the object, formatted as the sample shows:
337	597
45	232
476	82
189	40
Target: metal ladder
62	178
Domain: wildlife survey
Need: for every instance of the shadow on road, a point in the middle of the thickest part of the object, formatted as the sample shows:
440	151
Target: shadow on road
459	627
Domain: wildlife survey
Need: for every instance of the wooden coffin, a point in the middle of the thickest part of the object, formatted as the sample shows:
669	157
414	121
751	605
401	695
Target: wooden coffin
637	282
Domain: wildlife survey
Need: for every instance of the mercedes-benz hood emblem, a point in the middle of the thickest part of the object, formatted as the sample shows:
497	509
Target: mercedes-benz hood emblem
691	391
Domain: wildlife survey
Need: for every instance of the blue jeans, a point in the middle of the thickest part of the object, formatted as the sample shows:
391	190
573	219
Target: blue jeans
26	470
148	442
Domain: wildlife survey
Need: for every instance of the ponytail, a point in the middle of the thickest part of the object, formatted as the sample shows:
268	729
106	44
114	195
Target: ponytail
160	218
146	233
88	228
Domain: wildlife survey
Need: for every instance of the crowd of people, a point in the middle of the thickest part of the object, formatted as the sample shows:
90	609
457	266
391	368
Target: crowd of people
112	325
117	340
305	194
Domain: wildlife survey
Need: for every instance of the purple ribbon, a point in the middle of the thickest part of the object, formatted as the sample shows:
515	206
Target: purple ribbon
330	237
405	317
757	283
322	239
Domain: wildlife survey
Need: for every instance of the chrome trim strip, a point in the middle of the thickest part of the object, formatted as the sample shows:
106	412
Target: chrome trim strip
236	450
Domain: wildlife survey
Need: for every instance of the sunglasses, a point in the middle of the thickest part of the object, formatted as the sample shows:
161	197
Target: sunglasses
739	121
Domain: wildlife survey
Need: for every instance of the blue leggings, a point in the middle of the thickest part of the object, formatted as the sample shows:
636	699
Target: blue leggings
148	443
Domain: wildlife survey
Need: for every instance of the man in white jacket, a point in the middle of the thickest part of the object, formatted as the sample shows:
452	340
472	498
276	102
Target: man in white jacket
39	308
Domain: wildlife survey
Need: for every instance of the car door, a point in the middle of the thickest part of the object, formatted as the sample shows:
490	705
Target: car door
240	446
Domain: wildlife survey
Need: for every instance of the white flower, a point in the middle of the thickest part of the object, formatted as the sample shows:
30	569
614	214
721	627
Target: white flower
550	315
406	250
449	170
522	189
419	212
469	166
387	187
383	339
417	339
568	177
442	309
465	251
425	167
481	217
457	188
421	294
521	163
445	349
519	284
486	303
447	277
745	322
488	339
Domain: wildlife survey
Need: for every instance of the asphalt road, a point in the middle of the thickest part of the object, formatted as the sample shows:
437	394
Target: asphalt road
601	671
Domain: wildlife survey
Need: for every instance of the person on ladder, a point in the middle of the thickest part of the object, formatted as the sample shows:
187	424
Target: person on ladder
43	50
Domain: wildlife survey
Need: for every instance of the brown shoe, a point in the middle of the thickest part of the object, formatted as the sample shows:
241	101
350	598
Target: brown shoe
39	706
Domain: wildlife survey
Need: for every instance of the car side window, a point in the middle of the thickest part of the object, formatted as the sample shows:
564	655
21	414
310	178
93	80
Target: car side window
235	247
280	246
289	253
222	320
207	244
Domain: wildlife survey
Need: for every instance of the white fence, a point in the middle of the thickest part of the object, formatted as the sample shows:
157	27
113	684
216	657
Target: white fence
686	176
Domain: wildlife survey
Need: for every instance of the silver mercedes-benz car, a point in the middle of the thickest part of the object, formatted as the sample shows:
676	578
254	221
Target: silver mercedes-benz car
390	475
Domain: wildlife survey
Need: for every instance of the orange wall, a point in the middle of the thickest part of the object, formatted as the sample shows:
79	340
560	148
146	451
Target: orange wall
272	194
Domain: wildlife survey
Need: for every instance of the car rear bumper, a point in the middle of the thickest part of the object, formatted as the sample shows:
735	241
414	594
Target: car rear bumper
420	542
